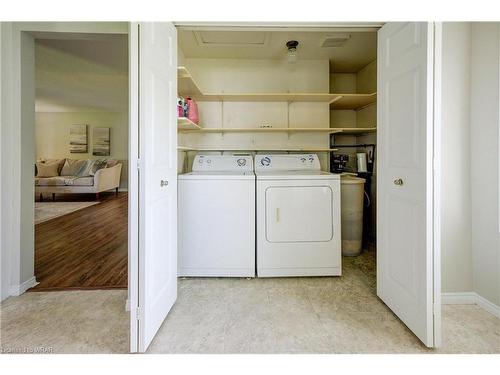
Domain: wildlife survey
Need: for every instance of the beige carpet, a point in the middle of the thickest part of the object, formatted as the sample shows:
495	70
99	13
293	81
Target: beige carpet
50	210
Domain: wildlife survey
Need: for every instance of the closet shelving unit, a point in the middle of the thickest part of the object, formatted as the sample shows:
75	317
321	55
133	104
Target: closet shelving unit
187	86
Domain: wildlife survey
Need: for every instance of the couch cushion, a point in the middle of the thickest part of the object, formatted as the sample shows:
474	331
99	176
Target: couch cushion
79	181
47	169
72	167
50	181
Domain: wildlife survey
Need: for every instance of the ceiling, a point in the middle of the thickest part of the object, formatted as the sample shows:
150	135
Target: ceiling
356	52
81	75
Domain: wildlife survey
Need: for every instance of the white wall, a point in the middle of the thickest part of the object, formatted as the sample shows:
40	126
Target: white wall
484	136
52	135
343	83
261	76
366	79
4	265
456	246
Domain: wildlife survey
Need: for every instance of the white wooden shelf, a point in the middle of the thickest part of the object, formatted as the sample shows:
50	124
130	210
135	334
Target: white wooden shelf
268	97
183	148
353	101
263	130
187	86
355	131
183	123
257	149
280	130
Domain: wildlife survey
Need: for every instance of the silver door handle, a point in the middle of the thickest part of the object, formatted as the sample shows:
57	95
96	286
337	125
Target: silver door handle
163	183
398	181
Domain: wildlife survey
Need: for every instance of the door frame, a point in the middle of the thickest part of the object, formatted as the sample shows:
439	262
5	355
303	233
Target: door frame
133	200
18	134
13	221
436	180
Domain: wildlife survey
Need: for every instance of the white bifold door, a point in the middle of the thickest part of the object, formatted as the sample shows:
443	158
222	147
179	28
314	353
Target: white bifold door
153	272
407	275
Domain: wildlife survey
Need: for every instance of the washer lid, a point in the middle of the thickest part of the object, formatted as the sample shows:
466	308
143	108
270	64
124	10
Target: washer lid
219	175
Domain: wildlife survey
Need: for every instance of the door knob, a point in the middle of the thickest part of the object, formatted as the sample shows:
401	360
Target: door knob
398	181
163	183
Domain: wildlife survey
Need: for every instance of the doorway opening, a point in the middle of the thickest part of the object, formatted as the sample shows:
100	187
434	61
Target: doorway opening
81	168
240	81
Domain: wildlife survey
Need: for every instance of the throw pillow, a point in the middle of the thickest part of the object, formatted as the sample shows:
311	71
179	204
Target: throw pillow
47	169
86	169
60	163
111	163
72	167
98	164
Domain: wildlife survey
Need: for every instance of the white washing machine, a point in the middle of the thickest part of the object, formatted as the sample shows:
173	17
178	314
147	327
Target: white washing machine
298	217
216	211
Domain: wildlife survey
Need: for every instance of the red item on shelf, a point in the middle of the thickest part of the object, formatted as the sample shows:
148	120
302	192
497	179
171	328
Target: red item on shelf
193	111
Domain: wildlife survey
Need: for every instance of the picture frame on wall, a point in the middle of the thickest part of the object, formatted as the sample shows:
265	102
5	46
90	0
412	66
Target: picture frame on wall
78	139
101	142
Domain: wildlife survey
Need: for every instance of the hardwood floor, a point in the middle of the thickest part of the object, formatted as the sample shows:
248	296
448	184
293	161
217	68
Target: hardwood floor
86	249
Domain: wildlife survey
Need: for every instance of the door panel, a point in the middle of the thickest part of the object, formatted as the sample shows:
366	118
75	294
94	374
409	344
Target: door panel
405	177
154	276
403	93
296	214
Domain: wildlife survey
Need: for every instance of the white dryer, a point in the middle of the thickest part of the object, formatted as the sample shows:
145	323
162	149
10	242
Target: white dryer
298	217
216	212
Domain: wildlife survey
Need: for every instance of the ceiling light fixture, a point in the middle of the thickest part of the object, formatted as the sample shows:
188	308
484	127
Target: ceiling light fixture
292	55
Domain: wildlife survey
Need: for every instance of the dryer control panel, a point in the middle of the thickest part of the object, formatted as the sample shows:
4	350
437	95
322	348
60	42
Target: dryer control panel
291	162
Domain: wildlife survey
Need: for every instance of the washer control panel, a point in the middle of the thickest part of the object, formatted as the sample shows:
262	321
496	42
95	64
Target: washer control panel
222	163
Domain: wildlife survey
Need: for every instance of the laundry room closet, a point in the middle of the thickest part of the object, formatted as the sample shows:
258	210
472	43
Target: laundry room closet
257	96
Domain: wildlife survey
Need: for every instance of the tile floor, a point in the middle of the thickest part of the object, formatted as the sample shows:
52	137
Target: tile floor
289	315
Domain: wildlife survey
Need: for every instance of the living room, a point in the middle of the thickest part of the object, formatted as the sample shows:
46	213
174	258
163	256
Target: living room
81	154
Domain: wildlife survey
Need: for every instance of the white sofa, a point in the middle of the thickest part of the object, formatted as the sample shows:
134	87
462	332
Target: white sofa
104	179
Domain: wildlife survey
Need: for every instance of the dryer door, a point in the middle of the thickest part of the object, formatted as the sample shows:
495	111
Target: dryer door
299	214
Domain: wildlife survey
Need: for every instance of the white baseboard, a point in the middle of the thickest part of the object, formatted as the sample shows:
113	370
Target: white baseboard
17	290
470	298
466	298
488	306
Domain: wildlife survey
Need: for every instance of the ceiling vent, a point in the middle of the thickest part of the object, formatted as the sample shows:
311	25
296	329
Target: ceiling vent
231	38
335	40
